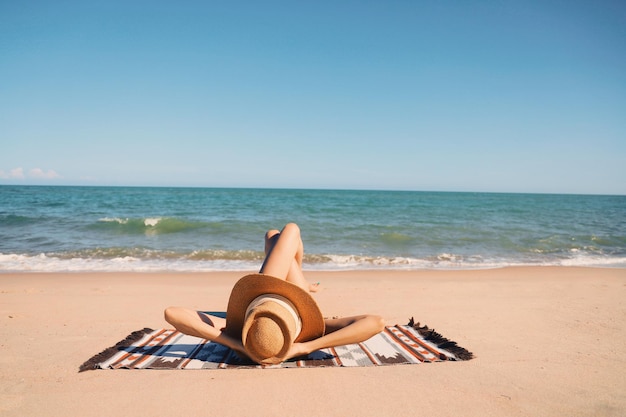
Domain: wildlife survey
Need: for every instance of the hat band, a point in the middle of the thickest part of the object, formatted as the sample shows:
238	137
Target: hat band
280	300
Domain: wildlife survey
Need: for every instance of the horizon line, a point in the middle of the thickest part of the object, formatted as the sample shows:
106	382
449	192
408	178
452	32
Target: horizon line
277	188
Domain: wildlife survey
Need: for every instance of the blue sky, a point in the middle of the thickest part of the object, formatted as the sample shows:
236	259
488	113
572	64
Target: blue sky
412	95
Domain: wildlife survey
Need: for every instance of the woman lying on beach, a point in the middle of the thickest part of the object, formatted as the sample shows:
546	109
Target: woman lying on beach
271	316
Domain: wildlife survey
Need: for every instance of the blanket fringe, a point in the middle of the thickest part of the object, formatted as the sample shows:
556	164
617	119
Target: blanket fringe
432	336
93	362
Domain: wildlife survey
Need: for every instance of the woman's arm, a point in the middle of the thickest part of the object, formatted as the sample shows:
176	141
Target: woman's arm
196	323
342	331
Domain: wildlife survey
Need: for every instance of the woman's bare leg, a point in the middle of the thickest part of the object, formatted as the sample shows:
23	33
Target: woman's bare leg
273	235
284	253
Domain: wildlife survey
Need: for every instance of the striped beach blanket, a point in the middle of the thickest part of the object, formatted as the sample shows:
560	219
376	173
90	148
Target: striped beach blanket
170	349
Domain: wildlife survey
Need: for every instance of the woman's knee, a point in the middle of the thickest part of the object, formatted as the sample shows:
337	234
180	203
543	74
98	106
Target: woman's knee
271	233
291	231
291	228
270	239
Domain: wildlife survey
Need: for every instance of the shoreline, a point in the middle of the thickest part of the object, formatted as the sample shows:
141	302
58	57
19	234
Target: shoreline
548	341
311	269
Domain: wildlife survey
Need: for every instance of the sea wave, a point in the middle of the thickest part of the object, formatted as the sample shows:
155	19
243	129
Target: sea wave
148	225
162	255
13	220
47	263
145	260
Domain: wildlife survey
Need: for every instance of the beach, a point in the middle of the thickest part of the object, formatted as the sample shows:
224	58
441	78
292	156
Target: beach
548	341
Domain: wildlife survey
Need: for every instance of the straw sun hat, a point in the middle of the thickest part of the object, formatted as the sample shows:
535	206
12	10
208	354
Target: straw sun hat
270	314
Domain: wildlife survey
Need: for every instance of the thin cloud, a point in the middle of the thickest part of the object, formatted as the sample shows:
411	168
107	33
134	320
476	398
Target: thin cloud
35	173
15	173
41	174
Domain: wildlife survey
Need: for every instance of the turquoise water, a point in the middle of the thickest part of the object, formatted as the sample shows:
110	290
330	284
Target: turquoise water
203	229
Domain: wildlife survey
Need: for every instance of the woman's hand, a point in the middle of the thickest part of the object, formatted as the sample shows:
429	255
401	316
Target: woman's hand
297	349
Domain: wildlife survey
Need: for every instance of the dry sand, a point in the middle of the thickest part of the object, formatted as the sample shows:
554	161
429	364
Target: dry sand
548	342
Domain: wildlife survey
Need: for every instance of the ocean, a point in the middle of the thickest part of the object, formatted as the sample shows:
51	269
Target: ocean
81	229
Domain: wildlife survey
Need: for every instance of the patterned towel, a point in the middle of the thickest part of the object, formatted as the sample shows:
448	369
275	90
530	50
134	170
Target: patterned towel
170	349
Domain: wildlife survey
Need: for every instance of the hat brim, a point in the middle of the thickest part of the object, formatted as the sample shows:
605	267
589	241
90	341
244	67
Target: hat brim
251	286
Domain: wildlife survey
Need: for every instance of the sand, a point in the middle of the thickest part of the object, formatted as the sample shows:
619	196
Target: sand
548	342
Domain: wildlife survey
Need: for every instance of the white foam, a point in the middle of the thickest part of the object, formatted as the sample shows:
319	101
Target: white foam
588	260
113	220
151	221
46	263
